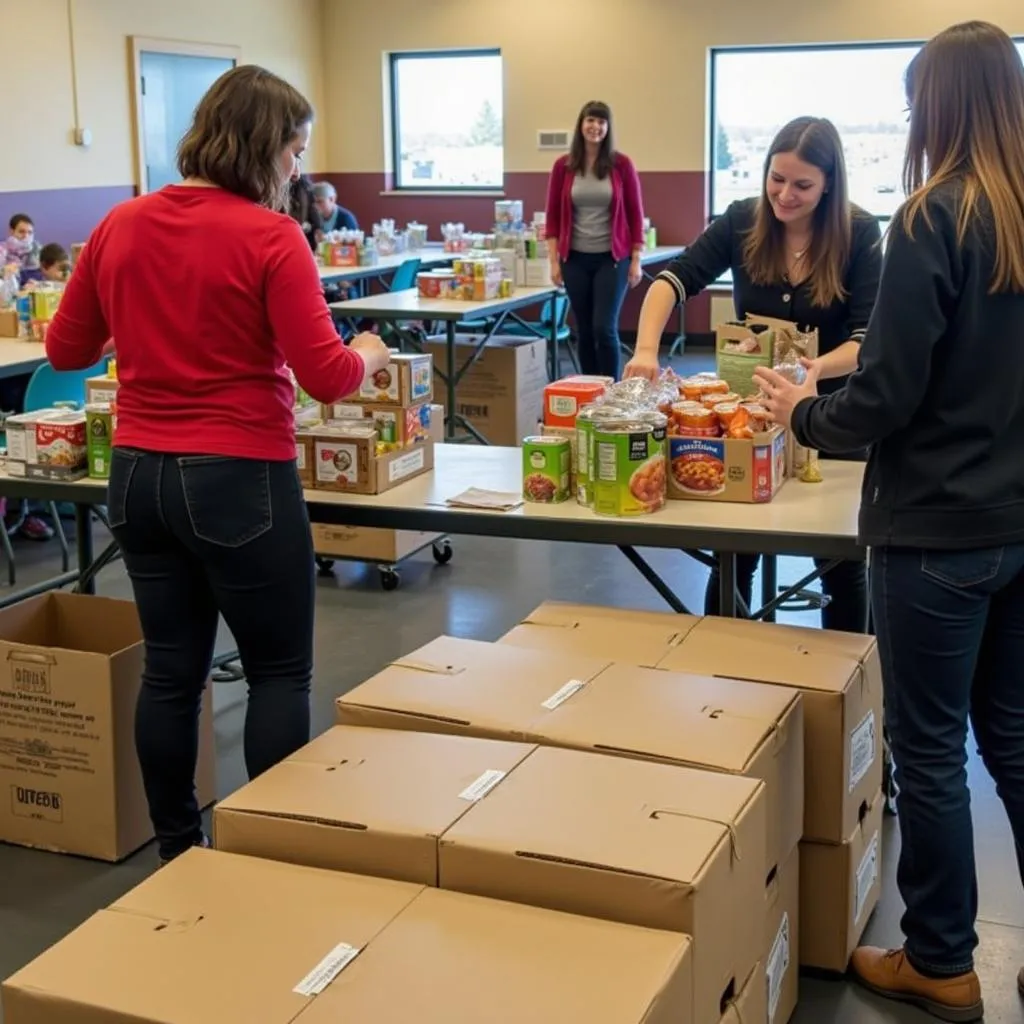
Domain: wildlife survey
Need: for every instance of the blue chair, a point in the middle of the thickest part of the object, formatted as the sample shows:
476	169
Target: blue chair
405	276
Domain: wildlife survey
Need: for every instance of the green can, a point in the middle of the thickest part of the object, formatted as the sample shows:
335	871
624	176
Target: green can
99	438
586	420
546	462
629	465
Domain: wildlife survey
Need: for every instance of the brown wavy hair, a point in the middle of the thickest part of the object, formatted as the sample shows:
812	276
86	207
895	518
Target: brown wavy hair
965	90
815	141
578	150
239	131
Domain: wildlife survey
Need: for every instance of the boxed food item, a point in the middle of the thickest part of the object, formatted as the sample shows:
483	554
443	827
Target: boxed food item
478	278
727	469
644	844
782	940
345	458
437	284
371	801
564	398
49	444
406	380
840	886
508	213
547	469
101	390
68	769
10	326
396	427
618	634
741	346
99	422
840	678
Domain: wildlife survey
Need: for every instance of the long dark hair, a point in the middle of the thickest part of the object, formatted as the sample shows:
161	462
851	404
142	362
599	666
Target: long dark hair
815	141
578	151
966	95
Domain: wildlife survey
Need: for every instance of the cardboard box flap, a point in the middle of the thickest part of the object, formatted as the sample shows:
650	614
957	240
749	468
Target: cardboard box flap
688	720
813	659
71	622
461	960
470	684
651	820
210	938
379	779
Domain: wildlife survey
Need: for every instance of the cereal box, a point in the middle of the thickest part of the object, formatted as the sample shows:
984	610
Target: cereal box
406	380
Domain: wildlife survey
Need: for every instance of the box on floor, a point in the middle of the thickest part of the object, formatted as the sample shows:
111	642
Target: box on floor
216	938
68	769
840	886
502	393
500	691
782	940
748	1007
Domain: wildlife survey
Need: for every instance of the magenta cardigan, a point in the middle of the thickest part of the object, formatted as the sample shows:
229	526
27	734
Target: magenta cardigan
627	210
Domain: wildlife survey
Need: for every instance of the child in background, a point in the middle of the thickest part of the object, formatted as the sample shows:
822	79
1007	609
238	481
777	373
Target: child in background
54	262
22	247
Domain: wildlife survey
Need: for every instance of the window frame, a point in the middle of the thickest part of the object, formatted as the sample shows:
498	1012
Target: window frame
394	59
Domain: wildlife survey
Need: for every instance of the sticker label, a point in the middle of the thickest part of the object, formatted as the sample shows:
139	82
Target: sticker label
478	789
561	695
778	964
867	875
405	465
327	970
862	749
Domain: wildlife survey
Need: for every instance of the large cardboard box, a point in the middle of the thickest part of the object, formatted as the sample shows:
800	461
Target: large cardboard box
370	801
368	543
69	776
618	634
748	1007
839	675
645	844
502	393
216	938
469	688
782	940
839	888
500	691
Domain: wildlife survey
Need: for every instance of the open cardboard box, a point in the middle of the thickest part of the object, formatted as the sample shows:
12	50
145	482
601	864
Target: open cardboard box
727	468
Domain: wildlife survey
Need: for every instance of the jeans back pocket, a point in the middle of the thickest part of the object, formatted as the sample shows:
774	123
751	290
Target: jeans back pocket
963	569
123	462
228	499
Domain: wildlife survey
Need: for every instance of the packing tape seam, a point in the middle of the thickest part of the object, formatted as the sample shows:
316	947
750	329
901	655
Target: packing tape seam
734	842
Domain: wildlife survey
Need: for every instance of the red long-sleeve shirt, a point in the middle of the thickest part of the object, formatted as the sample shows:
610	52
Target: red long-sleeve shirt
209	297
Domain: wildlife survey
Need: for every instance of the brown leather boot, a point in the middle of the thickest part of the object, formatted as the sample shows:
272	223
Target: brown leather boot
888	973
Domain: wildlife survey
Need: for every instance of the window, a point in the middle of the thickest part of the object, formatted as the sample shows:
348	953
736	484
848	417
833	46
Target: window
446	120
859	87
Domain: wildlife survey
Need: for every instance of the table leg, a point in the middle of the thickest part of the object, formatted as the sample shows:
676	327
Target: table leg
83	544
451	419
727	584
769	584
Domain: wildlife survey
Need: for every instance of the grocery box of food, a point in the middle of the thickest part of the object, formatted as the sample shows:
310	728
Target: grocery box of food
618	634
396	427
727	469
406	380
840	886
782	940
564	398
346	458
101	390
840	678
477	278
654	845
54	444
371	801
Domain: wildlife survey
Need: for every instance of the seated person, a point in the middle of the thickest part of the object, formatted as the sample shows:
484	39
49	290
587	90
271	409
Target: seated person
54	262
303	209
22	247
332	216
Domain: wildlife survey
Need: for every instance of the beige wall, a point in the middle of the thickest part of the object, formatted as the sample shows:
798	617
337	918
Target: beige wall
647	58
37	152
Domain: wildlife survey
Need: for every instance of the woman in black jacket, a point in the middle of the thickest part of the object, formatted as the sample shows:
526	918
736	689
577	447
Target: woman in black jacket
939	397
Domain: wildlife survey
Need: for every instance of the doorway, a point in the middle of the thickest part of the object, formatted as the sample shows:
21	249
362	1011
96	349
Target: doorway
170	79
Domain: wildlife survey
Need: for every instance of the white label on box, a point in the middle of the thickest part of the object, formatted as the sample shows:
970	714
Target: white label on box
561	695
300	457
478	789
344	411
103	396
406	464
778	964
862	749
867	875
327	970
562	405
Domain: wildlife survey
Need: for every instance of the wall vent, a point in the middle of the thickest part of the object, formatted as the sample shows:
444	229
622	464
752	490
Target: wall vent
553	140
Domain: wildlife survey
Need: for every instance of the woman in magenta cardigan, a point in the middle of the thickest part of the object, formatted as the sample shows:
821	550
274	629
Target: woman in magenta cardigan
595	221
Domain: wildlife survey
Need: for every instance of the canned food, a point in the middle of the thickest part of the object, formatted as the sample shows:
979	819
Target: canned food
692	419
586	419
692	389
546	463
726	413
759	417
629	466
717	397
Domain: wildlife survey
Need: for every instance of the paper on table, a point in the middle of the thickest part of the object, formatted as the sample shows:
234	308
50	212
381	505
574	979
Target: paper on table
476	497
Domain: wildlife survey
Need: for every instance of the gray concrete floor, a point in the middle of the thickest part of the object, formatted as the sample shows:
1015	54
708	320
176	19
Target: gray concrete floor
484	591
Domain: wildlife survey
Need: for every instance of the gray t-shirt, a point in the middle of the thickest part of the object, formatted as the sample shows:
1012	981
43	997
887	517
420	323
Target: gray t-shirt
592	221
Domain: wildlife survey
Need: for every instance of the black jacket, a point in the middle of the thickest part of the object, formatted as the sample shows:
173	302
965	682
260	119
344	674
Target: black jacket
939	393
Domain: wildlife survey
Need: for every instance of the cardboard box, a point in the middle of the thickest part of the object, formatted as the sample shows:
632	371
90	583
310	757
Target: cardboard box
618	634
47	444
644	844
502	393
782	941
406	380
369	544
101	390
469	688
839	888
216	938
839	675
396	427
500	691
304	455
69	776
740	348
9	326
727	469
370	801
345	459
748	1007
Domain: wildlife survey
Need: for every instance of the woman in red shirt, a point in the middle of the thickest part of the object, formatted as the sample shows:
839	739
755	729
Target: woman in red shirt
212	295
595	224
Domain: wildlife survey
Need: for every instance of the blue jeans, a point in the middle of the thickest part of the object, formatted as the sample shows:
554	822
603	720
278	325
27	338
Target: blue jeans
596	285
204	537
950	627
